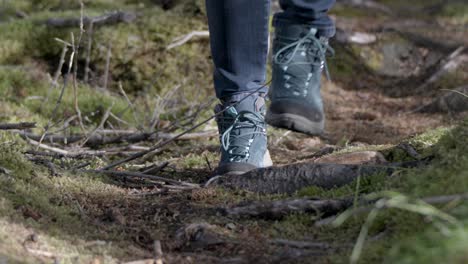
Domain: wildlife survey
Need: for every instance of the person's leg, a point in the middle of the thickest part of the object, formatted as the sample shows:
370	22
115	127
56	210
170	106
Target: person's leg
299	47
239	46
309	12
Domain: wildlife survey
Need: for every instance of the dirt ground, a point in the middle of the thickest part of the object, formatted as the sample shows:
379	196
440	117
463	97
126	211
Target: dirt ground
372	103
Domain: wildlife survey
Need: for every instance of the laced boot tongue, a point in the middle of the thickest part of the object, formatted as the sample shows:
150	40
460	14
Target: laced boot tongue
251	103
295	31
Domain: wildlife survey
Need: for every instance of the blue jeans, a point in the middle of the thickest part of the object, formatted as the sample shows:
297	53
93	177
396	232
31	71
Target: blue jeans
239	38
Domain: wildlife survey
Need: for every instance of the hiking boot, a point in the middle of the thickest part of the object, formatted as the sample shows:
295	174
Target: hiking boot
299	59
243	137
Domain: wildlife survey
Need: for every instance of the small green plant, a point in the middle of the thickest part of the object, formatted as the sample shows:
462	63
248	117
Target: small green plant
388	199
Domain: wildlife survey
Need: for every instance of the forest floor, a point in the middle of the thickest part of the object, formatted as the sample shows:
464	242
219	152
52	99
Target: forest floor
396	103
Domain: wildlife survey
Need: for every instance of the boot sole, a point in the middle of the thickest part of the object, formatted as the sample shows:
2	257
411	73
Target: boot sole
241	168
295	123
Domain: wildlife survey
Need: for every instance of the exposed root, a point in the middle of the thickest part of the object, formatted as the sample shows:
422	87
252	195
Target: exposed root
291	178
273	210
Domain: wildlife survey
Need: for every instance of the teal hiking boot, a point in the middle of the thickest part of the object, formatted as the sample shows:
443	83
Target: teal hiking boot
243	136
299	59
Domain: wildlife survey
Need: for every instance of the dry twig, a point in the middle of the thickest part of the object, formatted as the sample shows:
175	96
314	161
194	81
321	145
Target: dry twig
98	139
145	176
186	38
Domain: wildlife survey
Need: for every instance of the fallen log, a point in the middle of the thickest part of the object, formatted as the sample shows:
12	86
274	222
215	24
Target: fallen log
274	210
23	125
106	19
291	178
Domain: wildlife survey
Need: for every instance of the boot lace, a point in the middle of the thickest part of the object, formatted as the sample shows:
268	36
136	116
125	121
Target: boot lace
310	44
236	141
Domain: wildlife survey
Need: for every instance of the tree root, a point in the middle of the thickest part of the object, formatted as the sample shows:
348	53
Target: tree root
273	210
291	178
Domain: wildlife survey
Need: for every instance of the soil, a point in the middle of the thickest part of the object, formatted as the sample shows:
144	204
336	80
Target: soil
363	109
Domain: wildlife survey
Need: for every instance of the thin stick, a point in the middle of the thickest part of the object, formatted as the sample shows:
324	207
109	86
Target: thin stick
57	104
60	66
108	58
130	104
43	146
76	49
186	38
101	124
88	51
119	119
164	143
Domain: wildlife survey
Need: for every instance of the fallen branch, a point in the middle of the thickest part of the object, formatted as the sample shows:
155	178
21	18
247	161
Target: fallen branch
63	152
55	155
144	176
291	178
24	125
49	148
107	19
98	140
278	209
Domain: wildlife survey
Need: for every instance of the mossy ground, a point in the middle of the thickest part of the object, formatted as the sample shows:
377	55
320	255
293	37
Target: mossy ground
79	217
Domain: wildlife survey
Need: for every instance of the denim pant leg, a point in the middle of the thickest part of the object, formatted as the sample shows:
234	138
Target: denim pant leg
239	44
239	38
310	12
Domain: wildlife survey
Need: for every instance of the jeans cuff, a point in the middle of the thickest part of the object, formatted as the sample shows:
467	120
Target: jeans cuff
325	27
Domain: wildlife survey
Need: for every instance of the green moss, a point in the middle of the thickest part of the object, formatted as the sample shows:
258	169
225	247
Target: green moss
369	184
456	13
425	141
53	206
447	175
344	65
139	56
17	83
409	236
452	79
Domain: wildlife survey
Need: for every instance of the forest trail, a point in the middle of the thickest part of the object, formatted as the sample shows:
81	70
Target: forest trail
395	149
